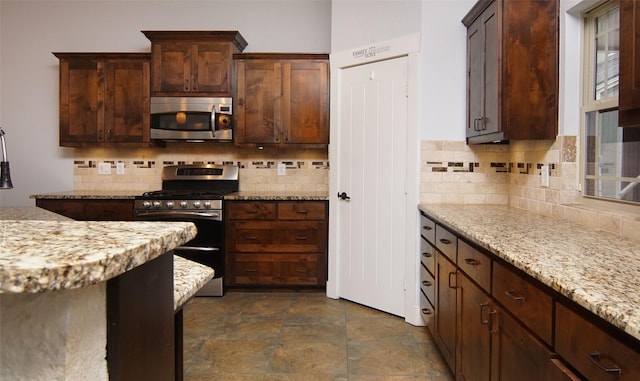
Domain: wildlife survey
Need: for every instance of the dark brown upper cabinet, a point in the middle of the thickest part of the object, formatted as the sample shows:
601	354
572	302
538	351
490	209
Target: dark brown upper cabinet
629	96
512	70
193	63
282	99
104	99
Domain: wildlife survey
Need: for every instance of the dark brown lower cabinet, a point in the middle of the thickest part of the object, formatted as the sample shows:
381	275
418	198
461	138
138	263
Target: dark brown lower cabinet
475	313
445	318
90	209
515	353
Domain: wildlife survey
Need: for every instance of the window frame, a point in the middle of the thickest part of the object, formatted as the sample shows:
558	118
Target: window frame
588	104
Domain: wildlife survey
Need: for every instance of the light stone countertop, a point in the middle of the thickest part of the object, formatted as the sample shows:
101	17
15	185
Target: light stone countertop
598	270
242	195
188	278
278	196
48	255
87	195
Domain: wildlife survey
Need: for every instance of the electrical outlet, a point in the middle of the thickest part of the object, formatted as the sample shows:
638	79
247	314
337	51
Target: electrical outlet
282	169
120	168
104	168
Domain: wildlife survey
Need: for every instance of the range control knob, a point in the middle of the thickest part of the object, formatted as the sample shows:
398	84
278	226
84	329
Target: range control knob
207	204
196	204
184	204
157	204
146	204
170	204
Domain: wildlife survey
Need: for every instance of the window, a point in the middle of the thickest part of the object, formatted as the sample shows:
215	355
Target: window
612	153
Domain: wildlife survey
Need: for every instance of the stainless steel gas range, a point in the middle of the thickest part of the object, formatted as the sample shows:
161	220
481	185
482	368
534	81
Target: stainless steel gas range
194	193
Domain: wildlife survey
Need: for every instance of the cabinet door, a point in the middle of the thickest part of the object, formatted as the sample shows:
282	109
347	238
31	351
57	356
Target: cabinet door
171	68
474	337
445	324
258	102
629	98
516	354
81	101
483	44
305	103
211	68
127	101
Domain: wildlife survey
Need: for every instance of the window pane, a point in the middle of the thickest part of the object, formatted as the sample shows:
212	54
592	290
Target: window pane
612	165
607	44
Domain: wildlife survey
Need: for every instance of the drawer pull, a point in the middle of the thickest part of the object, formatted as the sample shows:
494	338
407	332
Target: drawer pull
596	359
426	311
512	294
427	227
427	254
301	270
472	262
302	211
445	241
252	211
251	270
426	283
301	237
251	238
454	275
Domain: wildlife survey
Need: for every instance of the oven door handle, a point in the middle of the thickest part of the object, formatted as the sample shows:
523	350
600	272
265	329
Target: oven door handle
197	248
180	216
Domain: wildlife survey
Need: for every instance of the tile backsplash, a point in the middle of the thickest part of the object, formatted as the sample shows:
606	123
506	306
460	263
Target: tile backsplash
306	170
510	174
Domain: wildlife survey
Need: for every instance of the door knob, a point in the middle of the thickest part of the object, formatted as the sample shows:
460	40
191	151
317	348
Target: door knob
343	196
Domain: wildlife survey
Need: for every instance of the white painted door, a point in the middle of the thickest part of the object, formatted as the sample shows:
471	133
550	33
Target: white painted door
372	144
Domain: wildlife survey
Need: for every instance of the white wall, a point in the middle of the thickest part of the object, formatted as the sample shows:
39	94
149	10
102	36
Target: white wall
360	22
443	82
31	30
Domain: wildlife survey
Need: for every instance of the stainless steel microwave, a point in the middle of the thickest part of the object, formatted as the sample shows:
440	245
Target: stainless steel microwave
191	118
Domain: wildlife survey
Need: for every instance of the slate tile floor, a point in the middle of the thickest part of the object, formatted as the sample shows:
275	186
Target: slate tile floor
303	336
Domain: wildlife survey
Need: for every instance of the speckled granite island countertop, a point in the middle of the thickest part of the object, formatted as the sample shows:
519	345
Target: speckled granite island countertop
188	278
38	256
598	270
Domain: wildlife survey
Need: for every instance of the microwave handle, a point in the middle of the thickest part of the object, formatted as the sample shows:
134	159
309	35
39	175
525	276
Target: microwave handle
213	119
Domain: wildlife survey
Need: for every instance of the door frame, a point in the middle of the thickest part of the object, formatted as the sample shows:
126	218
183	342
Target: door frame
408	46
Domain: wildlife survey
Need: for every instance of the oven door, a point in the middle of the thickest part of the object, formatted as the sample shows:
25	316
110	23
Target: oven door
206	248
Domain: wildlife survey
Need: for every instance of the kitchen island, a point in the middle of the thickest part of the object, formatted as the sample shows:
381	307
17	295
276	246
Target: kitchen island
77	299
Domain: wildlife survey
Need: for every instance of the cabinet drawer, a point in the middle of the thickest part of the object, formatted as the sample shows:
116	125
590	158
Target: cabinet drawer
427	284
249	210
302	210
592	351
427	228
523	299
428	255
427	313
447	243
277	269
266	236
475	264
